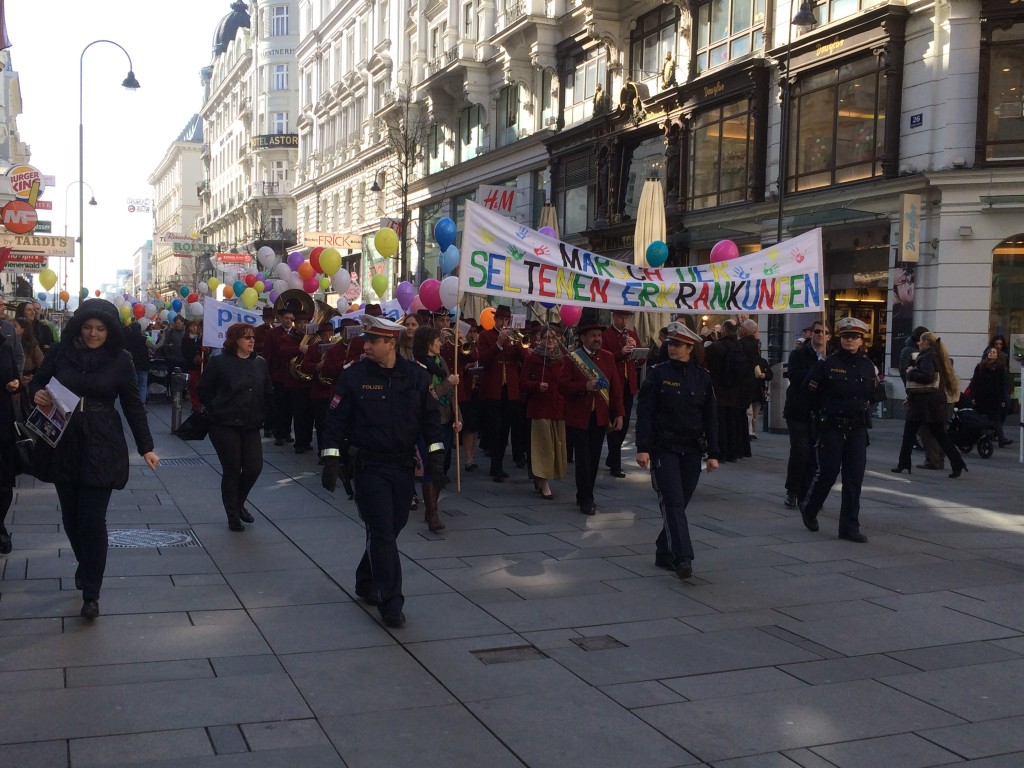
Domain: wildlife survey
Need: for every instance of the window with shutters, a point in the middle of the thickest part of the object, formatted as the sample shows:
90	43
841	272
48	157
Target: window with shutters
577	198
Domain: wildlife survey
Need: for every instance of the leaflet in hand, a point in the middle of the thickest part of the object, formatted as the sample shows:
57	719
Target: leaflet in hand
50	422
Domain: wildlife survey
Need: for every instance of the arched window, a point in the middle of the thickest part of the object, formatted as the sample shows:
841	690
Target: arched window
1006	315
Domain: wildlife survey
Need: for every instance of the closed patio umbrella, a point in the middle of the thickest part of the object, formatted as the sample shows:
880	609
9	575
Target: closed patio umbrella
650	226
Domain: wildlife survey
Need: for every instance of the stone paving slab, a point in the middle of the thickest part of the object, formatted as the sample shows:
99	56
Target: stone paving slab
983	691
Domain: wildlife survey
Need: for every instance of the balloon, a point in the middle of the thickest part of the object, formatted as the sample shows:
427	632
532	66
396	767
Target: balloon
196	309
325	283
97	293
47	279
487	318
229	292
184	291
203	289
124	311
330	261
314	259
64	296
306	270
724	250
386	242
212	283
117	301
139	311
657	253
379	283
176	305
340	280
449	260
84	293
283	271
416	305
547	305
570	315
548	231
449	291
192	298
294	259
294	281
405	293
311	285
237	287
260	286
429	294
444	233
41	295
280	286
248	298
273	296
143	323
266	256
249	280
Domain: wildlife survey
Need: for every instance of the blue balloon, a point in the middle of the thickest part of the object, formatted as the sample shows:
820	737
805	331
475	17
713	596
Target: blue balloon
444	233
450	260
547	305
41	295
657	253
176	305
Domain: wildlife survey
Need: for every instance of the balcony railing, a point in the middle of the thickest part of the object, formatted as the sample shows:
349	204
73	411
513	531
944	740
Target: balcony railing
514	12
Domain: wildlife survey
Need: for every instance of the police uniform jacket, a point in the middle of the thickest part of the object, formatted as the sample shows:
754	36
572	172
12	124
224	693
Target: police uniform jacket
676	410
501	365
382	410
614	341
841	388
580	403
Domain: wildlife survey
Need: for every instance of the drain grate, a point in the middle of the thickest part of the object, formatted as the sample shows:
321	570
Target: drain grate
597	643
182	462
148	538
509	654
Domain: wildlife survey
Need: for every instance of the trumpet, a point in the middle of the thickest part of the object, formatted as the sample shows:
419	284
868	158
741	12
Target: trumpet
518	337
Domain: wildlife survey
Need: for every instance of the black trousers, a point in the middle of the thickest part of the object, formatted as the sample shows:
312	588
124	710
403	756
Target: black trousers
835	449
674	477
938	431
498	416
282	413
84	511
383	495
319	411
802	462
733	436
302	412
240	451
615	439
519	431
586	444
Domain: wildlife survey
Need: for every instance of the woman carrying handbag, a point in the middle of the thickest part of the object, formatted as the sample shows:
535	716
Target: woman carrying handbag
8	460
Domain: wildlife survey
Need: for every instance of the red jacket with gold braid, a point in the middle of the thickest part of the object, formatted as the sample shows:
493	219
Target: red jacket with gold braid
501	365
614	341
579	403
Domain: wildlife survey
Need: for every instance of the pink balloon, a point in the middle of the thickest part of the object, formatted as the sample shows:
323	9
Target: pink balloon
311	285
416	305
724	250
405	293
430	294
570	315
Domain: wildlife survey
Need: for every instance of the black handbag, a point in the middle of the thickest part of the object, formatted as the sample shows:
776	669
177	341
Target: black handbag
195	427
33	454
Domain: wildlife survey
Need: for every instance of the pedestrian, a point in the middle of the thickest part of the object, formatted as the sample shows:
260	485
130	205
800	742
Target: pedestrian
800	422
91	459
8	331
237	393
501	355
592	389
141	348
676	425
193	357
929	405
732	375
169	346
545	411
426	349
8	458
381	406
621	340
41	331
934	458
990	391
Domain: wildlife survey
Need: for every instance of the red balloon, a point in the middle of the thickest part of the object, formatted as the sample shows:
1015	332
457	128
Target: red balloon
97	293
311	285
249	280
139	310
314	259
192	298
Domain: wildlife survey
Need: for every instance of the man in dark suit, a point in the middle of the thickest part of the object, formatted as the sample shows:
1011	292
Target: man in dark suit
501	357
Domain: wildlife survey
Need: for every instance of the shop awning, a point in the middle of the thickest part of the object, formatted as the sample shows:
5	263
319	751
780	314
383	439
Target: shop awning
822	218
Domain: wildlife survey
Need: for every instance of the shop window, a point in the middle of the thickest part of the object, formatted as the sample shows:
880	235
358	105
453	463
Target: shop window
582	86
721	148
728	30
1004	107
1007	311
837	130
653	53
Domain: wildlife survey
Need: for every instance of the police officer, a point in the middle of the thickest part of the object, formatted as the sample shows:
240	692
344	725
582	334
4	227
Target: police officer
380	407
841	389
676	423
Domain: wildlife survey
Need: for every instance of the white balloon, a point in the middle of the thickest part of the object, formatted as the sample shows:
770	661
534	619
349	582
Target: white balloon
283	271
118	300
203	289
280	286
150	311
342	305
143	323
449	291
341	280
196	308
267	257
164	314
294	281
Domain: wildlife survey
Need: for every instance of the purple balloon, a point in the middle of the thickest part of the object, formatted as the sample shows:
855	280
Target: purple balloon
295	259
261	277
273	296
548	231
405	293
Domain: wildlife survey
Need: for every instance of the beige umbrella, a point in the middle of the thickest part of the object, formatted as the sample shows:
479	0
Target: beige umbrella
650	226
549	218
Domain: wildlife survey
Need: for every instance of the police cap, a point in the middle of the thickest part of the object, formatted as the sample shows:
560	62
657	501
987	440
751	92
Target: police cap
375	327
851	326
679	332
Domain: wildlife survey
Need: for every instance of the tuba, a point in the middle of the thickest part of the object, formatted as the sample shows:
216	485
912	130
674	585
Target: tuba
319	311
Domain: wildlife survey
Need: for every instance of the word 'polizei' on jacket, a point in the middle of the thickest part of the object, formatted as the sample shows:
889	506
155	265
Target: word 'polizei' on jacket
841	388
676	410
236	391
391	406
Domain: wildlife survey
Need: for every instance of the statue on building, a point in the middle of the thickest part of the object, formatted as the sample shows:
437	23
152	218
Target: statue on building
600	102
672	150
668	71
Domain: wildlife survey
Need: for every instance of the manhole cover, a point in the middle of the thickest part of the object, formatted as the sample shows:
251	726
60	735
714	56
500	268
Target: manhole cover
146	538
182	462
597	643
509	654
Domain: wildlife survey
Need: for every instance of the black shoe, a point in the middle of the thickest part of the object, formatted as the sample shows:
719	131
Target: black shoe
856	536
1004	441
244	516
617	473
753	437
900	470
665	561
289	439
956	472
5	542
684	570
396	621
90	609
790	502
499	478
278	441
235	524
810	523
588	509
368	594
472	466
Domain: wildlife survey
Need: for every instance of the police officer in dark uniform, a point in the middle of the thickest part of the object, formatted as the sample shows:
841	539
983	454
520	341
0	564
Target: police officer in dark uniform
676	424
841	388
381	405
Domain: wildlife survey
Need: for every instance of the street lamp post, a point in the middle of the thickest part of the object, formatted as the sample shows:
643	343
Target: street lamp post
92	201
131	84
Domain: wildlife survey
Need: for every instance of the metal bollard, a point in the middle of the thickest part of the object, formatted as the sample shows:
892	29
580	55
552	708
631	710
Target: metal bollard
179	381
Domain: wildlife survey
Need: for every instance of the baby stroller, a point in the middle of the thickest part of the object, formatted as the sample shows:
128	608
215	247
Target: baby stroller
969	428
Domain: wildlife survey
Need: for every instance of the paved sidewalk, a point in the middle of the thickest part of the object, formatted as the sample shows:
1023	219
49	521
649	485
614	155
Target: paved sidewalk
536	636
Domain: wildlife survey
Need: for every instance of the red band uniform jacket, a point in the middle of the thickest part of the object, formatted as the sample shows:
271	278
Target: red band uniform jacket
501	365
614	341
579	403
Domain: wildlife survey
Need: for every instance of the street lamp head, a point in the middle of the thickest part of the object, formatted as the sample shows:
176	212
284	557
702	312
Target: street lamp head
804	19
130	82
92	201
375	187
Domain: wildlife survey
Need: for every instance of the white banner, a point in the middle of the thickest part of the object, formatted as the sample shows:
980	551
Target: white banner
503	258
218	316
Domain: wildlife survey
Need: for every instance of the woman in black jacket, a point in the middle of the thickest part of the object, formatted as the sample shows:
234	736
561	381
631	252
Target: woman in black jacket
237	392
141	350
91	459
8	467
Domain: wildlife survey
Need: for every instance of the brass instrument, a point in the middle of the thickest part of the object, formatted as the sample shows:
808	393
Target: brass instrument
319	311
518	337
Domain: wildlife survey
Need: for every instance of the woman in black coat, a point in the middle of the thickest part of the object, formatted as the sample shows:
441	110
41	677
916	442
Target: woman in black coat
990	390
91	459
237	392
931	408
8	464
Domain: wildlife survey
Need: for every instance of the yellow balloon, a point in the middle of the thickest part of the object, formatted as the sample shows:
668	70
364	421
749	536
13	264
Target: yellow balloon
249	298
213	282
385	241
330	261
47	279
259	286
325	283
379	283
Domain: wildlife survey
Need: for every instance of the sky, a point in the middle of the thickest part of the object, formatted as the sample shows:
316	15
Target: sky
126	133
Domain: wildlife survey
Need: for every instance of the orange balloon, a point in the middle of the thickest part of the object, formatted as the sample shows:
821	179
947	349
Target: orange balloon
306	270
487	318
64	296
229	292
